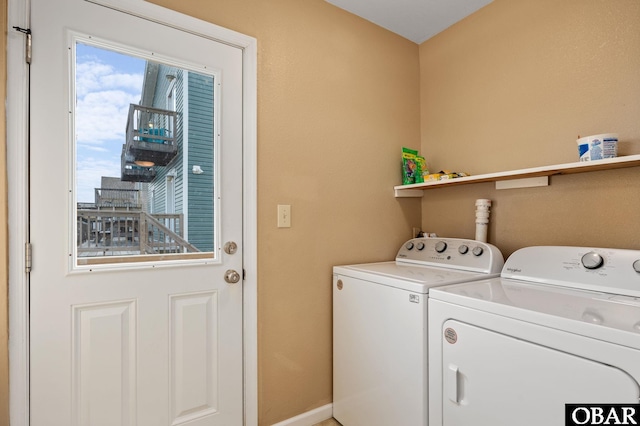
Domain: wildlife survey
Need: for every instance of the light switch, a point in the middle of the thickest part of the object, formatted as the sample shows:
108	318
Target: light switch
284	216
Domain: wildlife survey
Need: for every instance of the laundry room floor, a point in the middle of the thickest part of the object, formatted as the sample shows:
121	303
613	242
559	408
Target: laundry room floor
329	422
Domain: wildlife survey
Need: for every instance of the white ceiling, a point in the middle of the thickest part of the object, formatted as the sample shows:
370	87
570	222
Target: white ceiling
416	20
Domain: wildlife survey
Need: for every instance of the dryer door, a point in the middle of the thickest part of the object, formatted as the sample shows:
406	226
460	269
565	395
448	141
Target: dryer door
494	379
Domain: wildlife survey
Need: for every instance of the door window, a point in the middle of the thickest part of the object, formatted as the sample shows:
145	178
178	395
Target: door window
145	156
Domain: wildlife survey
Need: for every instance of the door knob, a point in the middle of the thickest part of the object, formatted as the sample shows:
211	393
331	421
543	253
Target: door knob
231	276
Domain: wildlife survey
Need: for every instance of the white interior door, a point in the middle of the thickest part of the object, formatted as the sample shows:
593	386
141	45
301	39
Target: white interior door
130	324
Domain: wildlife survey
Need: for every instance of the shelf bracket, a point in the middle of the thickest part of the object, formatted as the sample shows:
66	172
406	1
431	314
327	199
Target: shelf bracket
523	183
408	193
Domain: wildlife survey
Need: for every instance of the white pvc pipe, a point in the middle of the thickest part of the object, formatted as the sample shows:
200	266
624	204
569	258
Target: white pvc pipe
482	219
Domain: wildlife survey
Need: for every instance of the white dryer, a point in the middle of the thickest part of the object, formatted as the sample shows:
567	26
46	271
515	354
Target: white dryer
380	327
561	325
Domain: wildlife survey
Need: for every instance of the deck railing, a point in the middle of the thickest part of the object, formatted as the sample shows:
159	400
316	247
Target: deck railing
118	198
123	232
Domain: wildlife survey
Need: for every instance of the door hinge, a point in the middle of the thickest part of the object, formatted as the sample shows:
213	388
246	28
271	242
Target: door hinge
27	257
27	50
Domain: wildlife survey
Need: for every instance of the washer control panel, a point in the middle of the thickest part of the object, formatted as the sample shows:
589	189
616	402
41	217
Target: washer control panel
452	253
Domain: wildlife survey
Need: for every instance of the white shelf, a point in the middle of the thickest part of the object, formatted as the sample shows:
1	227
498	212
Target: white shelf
417	189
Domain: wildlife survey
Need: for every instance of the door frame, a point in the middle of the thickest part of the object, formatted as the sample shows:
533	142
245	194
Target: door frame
17	121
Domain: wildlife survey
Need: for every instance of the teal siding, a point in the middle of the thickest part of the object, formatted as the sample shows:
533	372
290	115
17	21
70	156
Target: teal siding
200	199
159	183
198	203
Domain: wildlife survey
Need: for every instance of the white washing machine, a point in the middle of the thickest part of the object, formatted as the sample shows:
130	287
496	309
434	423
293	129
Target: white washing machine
380	327
561	325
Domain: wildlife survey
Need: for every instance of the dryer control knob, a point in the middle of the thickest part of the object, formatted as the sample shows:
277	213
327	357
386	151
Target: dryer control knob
477	251
592	317
636	265
441	246
409	246
463	249
420	246
592	260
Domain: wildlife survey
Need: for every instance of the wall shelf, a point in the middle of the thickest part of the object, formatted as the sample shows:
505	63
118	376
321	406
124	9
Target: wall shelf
529	177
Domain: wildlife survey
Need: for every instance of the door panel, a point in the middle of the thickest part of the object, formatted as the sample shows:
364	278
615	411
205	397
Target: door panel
194	349
104	363
156	341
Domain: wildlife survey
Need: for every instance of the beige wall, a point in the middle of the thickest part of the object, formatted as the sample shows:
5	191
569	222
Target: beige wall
4	325
337	99
512	87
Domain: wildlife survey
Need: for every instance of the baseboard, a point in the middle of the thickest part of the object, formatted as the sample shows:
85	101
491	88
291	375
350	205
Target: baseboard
309	418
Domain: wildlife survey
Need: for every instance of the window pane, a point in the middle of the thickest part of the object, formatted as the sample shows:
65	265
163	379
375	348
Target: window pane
144	159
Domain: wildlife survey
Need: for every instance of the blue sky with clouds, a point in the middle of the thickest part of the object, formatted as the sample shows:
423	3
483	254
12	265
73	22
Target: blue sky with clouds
106	83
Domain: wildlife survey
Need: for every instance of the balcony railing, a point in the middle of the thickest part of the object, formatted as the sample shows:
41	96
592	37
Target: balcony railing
151	136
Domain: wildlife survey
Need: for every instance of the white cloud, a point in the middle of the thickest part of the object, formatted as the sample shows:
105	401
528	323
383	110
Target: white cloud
102	116
102	105
103	98
94	75
89	172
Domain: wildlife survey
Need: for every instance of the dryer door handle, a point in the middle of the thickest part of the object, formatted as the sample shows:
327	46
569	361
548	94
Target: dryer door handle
452	382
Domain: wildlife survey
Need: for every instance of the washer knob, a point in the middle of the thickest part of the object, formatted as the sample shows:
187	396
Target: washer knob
477	251
636	265
592	260
420	246
441	246
409	246
463	249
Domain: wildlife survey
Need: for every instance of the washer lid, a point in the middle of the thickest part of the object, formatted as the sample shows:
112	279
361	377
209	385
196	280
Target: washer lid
409	277
601	315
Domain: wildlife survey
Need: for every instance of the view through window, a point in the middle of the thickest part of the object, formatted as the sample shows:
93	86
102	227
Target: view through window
144	159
